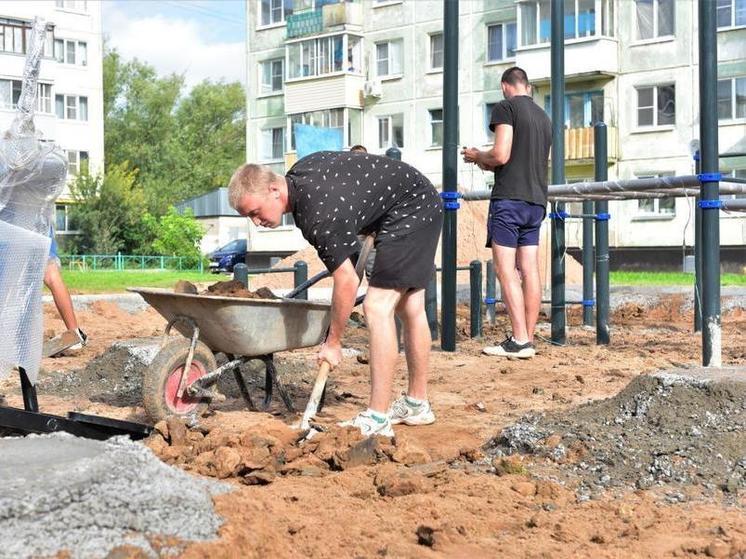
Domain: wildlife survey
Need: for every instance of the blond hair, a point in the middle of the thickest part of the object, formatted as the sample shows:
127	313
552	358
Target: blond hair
249	178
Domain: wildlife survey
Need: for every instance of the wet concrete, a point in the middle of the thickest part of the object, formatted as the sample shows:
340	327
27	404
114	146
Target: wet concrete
62	493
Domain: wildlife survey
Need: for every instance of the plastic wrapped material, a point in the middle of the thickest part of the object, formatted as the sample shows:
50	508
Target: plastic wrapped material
32	175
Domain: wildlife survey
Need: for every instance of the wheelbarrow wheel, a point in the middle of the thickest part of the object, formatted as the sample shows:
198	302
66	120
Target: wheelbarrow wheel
161	380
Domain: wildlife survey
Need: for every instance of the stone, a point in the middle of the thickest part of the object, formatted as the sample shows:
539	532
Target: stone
525	488
227	461
177	431
183	286
717	548
409	454
398	481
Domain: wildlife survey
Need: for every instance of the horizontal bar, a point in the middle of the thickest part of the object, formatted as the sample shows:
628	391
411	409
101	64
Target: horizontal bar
270	270
734	205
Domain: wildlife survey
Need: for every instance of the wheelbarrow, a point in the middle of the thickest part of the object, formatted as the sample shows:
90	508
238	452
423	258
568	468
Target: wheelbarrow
181	378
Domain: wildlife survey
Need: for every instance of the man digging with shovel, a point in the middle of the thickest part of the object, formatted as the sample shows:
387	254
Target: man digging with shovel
335	196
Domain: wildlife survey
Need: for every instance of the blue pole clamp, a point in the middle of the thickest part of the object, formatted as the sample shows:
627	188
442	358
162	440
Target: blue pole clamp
450	200
710	204
602	217
709	177
490	300
562	214
588	302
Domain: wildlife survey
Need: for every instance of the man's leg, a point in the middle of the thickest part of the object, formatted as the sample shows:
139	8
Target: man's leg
60	294
379	307
417	342
528	262
510	289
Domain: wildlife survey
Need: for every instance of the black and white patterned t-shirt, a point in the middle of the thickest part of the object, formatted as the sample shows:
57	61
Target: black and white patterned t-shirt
336	195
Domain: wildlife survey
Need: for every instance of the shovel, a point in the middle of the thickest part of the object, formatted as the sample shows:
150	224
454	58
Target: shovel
323	375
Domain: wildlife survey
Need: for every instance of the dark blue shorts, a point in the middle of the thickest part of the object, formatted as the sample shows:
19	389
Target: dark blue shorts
514	223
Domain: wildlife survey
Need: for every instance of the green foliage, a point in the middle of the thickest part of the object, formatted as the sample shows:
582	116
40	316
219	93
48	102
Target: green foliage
176	234
108	211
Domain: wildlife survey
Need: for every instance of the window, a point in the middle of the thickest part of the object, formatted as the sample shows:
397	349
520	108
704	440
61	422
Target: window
732	98
275	11
317	57
731	13
580	18
737	173
272	76
391	131
488	108
77	162
535	22
436	51
10	94
436	127
500	41
71	107
79	5
329	118
273	144
388	58
656	105
656	206
655	18
582	109
44	98
63	220
71	52
14	35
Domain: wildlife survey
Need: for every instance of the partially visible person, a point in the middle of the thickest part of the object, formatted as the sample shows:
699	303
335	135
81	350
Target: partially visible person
359	148
62	300
519	158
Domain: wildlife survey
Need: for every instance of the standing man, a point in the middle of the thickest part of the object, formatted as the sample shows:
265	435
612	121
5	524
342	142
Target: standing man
335	196
523	137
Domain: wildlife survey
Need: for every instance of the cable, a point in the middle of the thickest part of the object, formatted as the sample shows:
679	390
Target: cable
202	11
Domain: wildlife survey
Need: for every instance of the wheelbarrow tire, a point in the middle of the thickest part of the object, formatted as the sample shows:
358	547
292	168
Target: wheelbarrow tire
161	380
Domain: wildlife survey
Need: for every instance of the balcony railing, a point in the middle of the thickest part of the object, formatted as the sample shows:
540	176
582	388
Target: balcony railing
305	23
579	143
325	17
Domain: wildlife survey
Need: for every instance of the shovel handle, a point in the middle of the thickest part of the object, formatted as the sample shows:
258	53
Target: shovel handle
313	401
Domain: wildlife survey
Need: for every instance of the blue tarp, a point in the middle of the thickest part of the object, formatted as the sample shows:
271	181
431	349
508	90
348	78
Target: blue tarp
310	139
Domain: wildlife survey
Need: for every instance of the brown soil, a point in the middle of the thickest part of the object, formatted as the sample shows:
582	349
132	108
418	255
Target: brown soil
471	236
234	288
429	493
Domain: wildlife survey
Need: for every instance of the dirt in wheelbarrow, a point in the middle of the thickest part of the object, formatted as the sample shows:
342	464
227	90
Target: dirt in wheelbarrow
440	490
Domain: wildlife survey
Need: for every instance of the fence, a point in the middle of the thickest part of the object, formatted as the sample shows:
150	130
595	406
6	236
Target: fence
121	262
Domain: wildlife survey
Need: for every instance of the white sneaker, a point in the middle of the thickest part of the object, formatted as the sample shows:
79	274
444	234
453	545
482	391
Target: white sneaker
402	411
370	425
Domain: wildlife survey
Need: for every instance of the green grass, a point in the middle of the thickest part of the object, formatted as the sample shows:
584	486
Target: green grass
668	278
79	282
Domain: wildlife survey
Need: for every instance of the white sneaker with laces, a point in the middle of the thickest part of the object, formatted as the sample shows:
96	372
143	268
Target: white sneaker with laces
403	411
370	425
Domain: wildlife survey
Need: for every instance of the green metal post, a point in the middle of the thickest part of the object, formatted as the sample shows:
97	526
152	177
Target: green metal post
588	302
450	165
600	149
697	254
475	293
300	275
558	169
241	273
709	178
491	292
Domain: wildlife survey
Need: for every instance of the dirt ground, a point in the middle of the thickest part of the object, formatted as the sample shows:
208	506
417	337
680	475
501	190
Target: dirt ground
436	491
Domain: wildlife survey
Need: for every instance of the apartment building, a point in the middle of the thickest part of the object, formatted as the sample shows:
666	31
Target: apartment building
69	108
373	69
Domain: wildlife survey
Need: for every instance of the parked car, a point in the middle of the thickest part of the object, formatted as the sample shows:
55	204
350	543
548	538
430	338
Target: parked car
223	259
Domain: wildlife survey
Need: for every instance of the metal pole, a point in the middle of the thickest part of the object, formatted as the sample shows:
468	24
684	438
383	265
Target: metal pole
602	238
241	273
710	177
450	164
475	294
490	295
300	275
558	169
697	254
431	306
588	264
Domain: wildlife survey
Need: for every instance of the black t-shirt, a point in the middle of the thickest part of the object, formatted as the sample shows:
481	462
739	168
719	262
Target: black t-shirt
524	176
336	195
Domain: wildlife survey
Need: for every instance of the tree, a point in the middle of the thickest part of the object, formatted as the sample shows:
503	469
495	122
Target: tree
176	234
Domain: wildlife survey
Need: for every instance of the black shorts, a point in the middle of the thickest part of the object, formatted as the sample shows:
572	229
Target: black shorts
407	262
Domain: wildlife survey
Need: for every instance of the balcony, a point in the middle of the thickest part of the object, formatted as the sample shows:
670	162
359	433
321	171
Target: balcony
585	58
329	17
579	145
324	92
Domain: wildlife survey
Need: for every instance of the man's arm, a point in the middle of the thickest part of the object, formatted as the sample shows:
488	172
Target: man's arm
498	155
344	293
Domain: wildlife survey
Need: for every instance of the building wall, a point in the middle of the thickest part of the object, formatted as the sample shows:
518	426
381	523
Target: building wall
80	22
613	64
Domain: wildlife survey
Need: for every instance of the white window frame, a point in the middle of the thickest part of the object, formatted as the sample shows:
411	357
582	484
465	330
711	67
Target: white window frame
72	103
503	30
74	159
272	23
654	106
326	116
66	225
433	123
431	52
268	88
656	212
386	130
79	51
656	19
44	98
537	4
72	5
731	5
268	139
393	58
733	107
316	54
